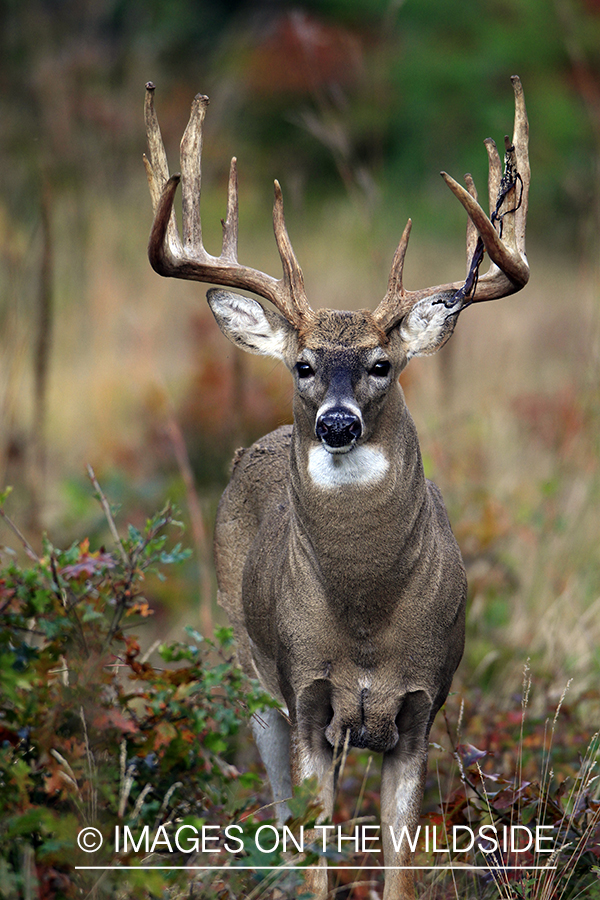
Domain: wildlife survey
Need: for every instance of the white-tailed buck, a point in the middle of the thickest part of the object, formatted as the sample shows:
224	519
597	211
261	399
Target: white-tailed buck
335	558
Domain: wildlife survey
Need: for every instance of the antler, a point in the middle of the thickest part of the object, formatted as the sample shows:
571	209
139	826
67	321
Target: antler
170	256
508	198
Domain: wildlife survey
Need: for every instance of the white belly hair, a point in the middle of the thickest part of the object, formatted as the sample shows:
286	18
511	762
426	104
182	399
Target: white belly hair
361	465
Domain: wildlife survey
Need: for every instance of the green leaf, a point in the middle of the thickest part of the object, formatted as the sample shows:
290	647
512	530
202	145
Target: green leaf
215	743
224	636
529	812
135	536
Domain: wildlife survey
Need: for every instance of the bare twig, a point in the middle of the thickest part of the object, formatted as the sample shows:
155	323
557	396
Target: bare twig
140	801
26	545
109	517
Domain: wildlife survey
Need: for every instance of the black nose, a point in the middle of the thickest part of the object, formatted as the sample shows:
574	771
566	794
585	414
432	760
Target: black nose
338	428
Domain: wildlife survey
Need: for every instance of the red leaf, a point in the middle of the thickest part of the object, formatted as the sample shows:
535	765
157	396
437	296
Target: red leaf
113	718
8	736
88	563
164	734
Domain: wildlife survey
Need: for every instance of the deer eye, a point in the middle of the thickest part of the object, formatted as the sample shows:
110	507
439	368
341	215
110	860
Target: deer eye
304	370
381	369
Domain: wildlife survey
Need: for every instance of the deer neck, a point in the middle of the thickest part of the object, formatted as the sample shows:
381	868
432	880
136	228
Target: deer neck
356	512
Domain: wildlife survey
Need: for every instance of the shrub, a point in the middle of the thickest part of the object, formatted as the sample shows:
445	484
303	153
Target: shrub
92	734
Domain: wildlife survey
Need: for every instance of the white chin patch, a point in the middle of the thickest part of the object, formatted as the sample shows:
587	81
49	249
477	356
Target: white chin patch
360	466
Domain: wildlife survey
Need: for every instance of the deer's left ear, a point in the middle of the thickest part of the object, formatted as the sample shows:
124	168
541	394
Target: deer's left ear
246	323
427	326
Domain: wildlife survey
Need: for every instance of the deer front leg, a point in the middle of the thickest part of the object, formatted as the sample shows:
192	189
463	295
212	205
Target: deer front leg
271	735
312	755
402	783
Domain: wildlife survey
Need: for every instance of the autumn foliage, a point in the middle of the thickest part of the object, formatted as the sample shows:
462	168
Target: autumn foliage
92	733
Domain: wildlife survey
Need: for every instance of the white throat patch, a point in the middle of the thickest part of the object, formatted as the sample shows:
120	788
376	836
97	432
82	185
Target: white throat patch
361	465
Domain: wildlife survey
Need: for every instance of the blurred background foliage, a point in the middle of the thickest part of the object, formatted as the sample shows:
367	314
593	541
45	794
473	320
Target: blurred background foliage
355	105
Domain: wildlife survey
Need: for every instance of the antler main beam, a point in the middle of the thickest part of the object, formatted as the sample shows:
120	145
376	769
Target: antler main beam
173	257
505	244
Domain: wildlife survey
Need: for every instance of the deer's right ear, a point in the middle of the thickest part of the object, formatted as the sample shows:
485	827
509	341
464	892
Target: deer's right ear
245	322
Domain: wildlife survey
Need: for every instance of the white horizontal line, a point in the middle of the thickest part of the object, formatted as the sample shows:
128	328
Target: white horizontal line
465	868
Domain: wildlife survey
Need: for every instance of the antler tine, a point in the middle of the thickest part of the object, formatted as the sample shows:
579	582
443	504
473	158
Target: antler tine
521	145
509	270
157	167
495	172
230	225
189	260
190	154
293	278
472	235
397	301
156	147
395	285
